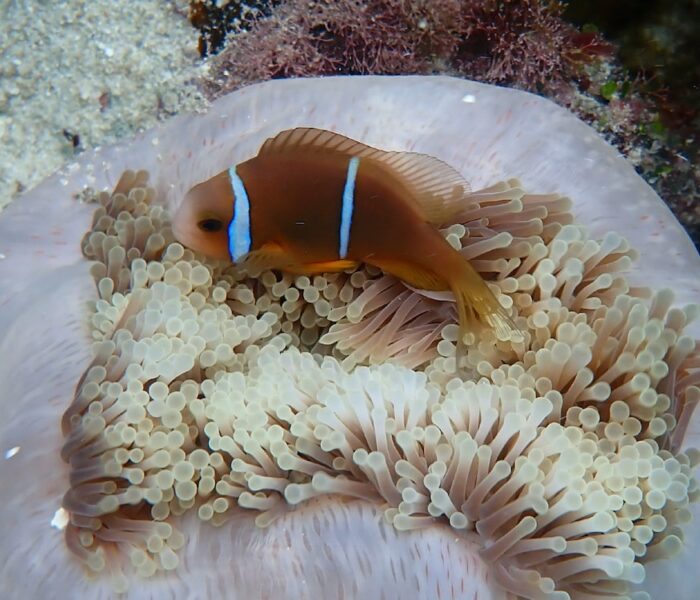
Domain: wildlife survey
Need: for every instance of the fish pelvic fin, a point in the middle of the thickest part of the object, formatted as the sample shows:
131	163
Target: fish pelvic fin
411	274
331	266
273	256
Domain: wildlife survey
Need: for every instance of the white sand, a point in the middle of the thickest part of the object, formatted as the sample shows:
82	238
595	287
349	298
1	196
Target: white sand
101	69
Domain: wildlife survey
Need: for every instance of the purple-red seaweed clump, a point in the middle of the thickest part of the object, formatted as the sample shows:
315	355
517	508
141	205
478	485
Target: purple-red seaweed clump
520	43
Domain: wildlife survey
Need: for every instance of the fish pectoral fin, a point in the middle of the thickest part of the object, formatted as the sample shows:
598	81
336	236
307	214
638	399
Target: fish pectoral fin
268	256
331	266
413	275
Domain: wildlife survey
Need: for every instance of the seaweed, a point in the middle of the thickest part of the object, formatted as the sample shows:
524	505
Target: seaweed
521	43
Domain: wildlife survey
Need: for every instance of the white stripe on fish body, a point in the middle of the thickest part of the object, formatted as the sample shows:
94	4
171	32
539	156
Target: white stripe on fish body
347	207
239	227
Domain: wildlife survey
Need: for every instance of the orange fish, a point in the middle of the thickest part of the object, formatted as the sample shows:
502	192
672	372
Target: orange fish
313	201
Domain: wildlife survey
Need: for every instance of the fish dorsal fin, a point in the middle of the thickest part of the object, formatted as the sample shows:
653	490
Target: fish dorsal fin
437	188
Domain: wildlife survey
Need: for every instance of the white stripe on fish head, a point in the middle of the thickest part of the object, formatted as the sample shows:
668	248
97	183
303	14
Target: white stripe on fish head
239	228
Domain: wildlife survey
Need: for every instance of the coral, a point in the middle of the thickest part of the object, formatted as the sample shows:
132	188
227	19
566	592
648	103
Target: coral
654	38
658	137
525	43
207	392
651	113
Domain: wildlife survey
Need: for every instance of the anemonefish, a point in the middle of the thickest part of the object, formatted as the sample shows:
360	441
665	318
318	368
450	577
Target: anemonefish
313	201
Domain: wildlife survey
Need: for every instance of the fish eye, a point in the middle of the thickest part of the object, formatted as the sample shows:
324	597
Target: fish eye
210	225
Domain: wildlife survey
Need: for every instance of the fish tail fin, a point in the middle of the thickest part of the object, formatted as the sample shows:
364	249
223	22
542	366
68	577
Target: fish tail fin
478	307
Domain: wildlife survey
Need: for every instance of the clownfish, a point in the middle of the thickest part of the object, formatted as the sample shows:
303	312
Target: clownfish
313	201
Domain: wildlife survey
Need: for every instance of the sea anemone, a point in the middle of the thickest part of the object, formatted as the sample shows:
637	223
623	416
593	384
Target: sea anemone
316	420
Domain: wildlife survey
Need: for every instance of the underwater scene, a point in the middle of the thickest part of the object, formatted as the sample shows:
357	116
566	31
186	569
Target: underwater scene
352	299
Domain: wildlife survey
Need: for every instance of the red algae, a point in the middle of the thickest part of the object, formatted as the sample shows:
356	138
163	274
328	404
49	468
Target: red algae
524	44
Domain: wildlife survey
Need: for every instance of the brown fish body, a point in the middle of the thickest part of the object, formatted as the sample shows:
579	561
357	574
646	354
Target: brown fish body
302	213
288	207
302	204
